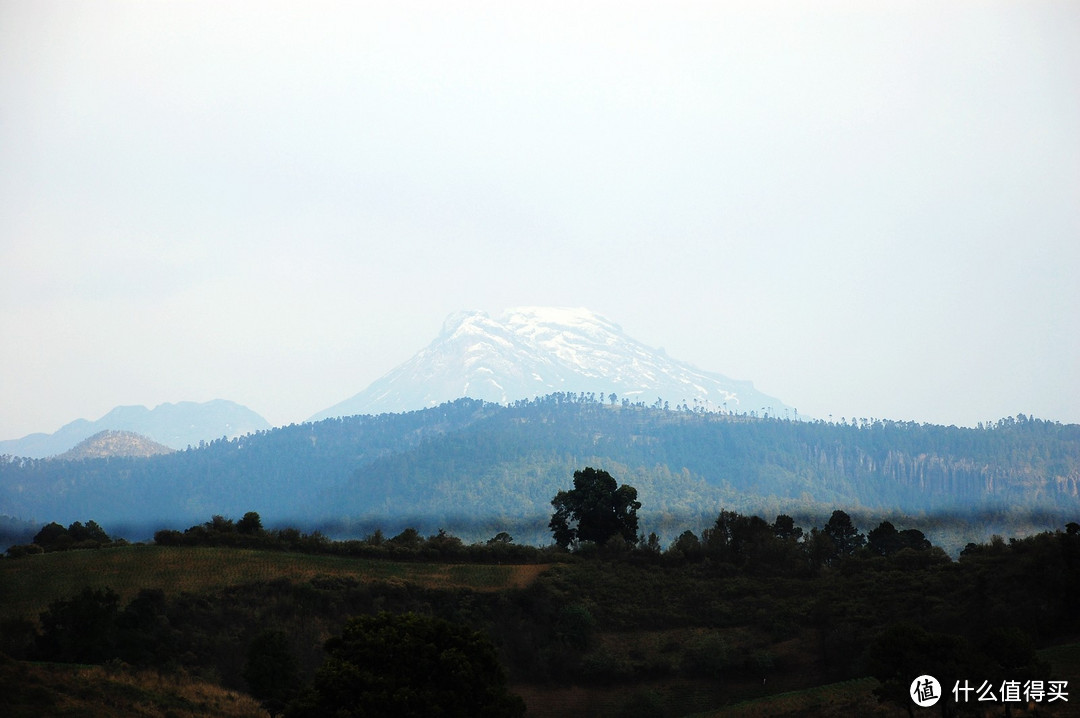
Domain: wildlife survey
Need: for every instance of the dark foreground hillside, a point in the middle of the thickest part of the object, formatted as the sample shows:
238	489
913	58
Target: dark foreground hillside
742	619
35	690
475	469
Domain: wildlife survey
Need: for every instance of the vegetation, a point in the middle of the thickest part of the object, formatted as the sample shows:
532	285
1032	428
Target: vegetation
14	531
408	666
744	609
474	469
28	586
595	510
54	537
272	670
33	690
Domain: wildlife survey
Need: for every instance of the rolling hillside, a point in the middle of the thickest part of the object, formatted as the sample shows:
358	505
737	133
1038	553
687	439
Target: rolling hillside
477	468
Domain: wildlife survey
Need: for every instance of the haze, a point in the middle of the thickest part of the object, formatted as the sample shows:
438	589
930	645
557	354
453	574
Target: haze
868	210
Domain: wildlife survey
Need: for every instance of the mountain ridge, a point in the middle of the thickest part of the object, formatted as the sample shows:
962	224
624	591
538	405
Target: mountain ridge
177	426
110	443
527	352
476	468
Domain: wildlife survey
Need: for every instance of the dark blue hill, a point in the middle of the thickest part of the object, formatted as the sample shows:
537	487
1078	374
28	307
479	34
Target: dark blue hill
473	463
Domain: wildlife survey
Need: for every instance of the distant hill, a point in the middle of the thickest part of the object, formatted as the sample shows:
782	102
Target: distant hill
177	426
534	351
14	531
110	443
476	468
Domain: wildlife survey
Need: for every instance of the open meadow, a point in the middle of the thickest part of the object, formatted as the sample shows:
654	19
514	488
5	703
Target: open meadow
28	586
610	632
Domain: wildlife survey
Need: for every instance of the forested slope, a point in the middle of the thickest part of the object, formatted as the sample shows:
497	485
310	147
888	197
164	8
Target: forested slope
472	463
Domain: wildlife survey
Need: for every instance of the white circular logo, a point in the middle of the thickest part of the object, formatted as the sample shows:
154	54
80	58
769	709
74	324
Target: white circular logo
925	691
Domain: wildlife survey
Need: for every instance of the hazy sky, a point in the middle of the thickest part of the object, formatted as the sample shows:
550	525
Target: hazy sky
867	209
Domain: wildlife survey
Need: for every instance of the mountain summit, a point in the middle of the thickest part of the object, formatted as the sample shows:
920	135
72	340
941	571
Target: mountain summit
109	443
534	351
174	425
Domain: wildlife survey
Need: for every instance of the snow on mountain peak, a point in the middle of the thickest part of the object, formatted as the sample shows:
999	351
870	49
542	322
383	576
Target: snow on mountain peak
564	316
532	351
457	320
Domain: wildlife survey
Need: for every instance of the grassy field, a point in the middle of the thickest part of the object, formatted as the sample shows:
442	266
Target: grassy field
856	697
31	690
29	584
846	698
834	700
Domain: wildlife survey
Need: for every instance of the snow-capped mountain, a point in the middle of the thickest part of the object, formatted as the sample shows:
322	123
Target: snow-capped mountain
533	351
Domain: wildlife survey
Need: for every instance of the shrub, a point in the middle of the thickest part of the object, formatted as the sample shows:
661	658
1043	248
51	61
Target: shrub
24	550
409	665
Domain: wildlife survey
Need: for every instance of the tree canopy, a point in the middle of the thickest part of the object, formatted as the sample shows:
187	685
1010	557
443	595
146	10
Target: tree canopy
845	537
409	665
596	510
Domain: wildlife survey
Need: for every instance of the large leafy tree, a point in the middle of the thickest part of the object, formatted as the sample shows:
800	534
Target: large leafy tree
596	510
81	629
250	524
885	540
408	665
845	537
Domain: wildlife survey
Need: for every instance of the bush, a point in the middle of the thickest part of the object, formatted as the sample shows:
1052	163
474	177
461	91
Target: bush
168	537
24	550
575	626
409	665
272	670
708	656
81	629
606	667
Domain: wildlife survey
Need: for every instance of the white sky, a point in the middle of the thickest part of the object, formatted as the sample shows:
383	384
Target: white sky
867	209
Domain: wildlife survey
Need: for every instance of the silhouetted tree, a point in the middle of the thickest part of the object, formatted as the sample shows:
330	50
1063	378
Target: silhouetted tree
595	510
220	524
250	524
650	544
445	544
81	629
408	666
410	538
144	633
820	549
884	540
735	538
90	533
784	528
845	537
688	546
52	537
168	537
914	539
